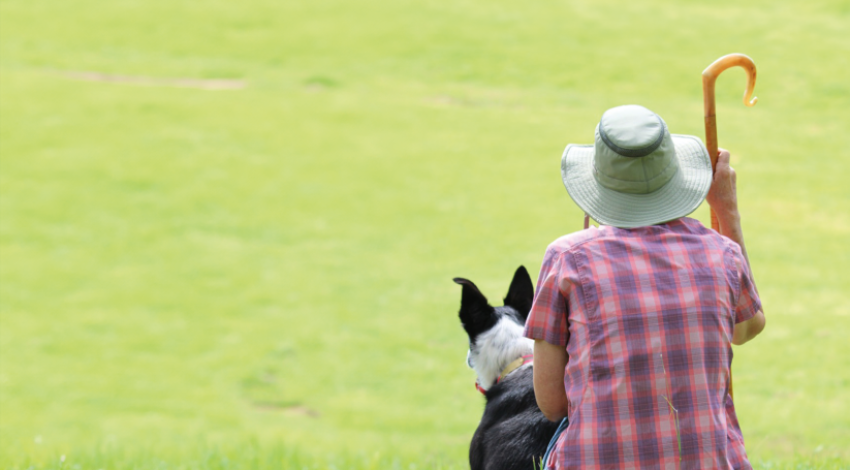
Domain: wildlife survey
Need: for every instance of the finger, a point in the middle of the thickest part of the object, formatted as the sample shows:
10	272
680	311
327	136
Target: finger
723	157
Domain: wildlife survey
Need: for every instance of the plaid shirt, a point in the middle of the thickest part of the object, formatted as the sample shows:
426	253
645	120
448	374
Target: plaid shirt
647	322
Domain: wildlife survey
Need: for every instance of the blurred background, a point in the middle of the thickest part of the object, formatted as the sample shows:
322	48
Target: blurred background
228	229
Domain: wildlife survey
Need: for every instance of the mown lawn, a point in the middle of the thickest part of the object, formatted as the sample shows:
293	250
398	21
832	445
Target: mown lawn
256	272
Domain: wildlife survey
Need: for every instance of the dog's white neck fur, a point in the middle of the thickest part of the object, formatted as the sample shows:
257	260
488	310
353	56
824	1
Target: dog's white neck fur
496	348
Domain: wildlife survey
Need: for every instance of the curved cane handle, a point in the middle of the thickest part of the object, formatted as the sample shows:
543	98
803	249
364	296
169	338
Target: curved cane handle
731	60
709	75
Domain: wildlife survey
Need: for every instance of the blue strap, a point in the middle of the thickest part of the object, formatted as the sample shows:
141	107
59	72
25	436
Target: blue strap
561	428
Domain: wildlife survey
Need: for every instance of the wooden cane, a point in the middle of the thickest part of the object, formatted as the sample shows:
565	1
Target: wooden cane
709	75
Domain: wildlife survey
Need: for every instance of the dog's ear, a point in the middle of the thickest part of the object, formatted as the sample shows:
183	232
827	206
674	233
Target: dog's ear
521	293
476	314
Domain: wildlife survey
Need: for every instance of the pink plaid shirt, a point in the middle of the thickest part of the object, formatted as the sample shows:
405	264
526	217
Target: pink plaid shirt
647	324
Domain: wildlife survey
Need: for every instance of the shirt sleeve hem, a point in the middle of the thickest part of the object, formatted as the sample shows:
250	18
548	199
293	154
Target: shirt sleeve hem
749	312
540	333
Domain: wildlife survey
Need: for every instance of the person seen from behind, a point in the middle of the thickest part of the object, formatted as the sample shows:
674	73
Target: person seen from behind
634	321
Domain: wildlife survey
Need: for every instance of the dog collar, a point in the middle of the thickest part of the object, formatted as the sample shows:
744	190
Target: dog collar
527	359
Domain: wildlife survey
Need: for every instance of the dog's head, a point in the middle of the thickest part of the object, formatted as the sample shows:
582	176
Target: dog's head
495	333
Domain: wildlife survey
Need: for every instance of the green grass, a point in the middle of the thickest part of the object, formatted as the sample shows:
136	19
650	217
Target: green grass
183	270
251	456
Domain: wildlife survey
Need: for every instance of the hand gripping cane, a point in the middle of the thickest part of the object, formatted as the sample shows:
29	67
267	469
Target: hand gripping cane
709	75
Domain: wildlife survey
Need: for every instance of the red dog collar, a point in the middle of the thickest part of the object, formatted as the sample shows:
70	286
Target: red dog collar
527	359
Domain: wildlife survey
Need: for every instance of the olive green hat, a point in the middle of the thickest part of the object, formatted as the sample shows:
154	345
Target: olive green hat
637	173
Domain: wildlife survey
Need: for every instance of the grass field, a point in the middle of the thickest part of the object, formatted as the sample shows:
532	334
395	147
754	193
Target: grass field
228	229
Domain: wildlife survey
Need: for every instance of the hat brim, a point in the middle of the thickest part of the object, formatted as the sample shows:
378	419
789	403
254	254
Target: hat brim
678	198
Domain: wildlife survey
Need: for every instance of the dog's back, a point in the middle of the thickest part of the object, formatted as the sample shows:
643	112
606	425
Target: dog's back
513	433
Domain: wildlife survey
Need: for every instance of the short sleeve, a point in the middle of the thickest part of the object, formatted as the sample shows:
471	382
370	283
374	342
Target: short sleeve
748	302
548	317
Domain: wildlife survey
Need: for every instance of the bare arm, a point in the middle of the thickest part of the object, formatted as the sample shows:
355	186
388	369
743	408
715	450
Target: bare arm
723	198
550	362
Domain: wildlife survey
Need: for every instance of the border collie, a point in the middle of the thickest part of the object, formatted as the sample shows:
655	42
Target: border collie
513	433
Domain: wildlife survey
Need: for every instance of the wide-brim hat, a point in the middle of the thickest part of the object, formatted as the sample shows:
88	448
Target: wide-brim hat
637	173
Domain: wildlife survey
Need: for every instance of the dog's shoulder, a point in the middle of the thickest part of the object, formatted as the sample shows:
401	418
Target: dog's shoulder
512	395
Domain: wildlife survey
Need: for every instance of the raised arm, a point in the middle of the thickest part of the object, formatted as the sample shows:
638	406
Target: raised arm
723	198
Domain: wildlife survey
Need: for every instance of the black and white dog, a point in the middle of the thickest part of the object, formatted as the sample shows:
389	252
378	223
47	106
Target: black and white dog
513	433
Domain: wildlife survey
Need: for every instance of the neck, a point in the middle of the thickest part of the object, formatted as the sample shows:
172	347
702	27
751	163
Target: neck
526	359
